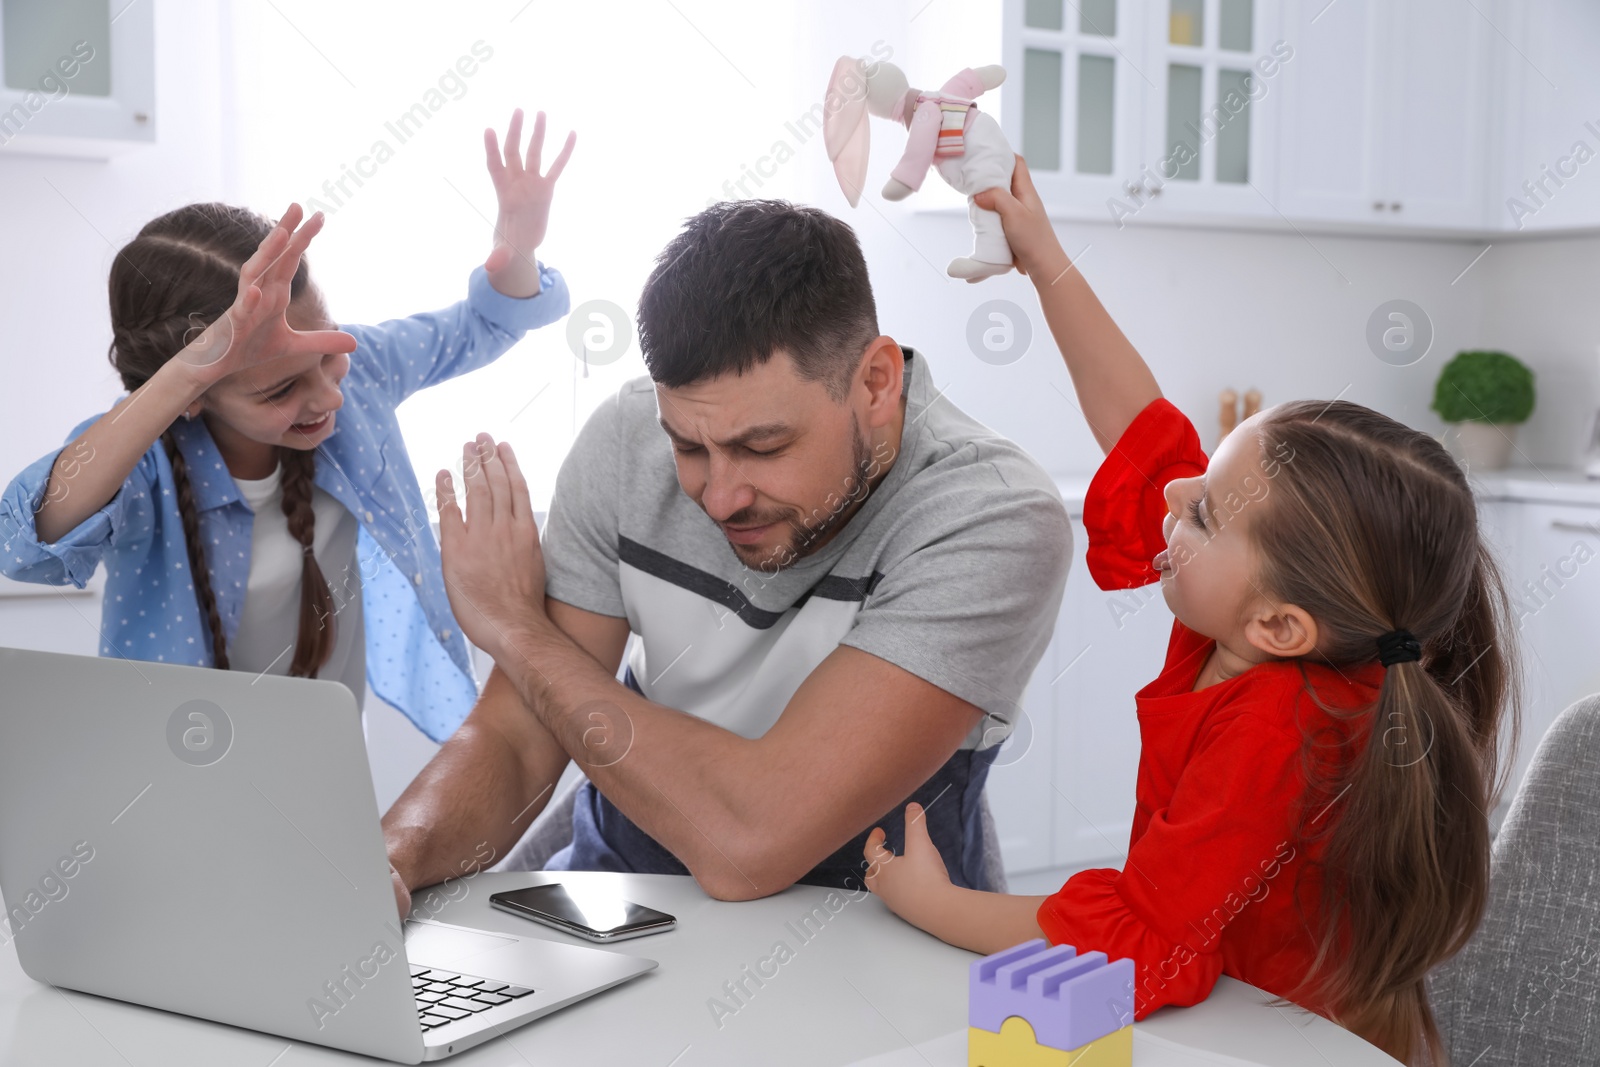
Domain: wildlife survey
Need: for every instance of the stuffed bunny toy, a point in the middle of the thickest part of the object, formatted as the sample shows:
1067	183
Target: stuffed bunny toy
945	129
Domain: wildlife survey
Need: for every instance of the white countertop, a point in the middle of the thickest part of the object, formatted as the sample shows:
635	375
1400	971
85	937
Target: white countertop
1544	485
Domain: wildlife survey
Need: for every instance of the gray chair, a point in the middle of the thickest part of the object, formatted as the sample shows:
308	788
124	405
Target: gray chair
1526	989
551	830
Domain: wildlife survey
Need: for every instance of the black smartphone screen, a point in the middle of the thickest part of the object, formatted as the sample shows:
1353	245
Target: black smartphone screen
603	913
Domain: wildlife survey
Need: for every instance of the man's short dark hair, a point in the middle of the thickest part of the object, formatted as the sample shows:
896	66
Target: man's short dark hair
747	278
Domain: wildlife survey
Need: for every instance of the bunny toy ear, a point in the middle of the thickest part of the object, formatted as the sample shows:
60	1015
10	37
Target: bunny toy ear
845	127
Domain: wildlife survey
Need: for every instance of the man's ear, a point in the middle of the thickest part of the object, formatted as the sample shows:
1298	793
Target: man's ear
1282	630
882	372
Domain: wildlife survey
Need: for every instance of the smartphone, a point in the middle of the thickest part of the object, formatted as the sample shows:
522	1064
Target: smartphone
597	916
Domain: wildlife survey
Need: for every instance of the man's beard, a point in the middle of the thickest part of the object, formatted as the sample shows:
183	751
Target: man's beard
805	539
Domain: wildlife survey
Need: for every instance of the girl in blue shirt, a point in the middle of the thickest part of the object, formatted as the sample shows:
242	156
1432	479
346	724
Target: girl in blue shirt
252	493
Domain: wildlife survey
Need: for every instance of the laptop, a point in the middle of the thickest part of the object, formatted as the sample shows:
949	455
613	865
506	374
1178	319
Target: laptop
207	842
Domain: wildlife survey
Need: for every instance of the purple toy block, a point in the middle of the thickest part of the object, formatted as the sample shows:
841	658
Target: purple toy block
1068	999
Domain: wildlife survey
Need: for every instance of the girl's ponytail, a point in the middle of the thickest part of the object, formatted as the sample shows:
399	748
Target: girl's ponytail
199	571
1371	527
1473	664
1408	856
314	640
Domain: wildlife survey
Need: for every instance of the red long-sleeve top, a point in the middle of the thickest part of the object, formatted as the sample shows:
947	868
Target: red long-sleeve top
1217	880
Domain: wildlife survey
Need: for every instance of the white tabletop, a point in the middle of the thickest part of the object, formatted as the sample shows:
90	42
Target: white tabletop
861	987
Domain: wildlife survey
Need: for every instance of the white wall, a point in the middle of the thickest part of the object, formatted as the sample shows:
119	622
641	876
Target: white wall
1541	303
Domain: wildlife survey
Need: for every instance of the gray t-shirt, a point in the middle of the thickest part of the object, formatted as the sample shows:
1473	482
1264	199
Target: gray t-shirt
952	569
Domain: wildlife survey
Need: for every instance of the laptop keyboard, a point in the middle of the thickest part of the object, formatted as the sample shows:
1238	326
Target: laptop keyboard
444	996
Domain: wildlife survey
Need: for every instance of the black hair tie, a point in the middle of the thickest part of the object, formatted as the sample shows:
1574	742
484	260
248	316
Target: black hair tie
1398	646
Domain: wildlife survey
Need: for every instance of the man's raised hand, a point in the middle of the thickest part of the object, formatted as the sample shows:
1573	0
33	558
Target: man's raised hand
493	567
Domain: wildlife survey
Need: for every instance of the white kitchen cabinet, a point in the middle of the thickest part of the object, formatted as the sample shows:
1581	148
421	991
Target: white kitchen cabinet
1113	645
1554	584
1330	142
1124	105
1210	68
77	77
1437	147
1020	795
1548	177
1356	113
1385	113
1062	792
1072	102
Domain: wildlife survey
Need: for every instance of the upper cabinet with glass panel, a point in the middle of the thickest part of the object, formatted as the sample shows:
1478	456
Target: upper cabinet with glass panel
1074	112
1122	104
77	78
1210	74
1359	113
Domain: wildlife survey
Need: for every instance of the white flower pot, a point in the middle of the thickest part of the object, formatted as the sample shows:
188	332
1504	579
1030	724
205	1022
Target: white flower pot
1484	445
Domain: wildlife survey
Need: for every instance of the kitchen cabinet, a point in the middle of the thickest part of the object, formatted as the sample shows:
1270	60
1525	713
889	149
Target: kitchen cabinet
1122	105
1062	788
1546	530
1357	114
77	78
1073	100
1385	113
1548	177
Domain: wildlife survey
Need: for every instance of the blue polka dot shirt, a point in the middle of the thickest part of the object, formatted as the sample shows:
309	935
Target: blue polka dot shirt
416	655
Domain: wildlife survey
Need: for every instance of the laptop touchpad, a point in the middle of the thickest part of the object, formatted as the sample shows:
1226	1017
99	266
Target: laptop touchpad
451	946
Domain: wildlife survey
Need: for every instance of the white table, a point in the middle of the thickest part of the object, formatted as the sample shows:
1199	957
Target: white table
862	987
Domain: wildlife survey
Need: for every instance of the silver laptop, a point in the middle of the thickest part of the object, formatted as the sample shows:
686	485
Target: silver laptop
207	842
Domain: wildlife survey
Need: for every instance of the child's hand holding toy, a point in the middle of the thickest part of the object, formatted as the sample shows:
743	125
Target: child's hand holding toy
1033	240
524	196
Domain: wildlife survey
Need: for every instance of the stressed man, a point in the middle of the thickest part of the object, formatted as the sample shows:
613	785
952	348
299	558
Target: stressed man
840	584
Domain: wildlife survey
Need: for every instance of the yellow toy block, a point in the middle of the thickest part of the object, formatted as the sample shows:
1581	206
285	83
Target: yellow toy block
1015	1046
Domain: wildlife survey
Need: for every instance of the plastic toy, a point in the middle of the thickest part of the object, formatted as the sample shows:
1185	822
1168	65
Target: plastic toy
945	129
1037	1006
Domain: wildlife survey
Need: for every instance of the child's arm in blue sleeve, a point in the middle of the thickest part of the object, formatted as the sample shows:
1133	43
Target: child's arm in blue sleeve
405	355
128	515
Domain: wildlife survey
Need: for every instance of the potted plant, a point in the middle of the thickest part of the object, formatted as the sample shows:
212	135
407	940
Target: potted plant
1486	394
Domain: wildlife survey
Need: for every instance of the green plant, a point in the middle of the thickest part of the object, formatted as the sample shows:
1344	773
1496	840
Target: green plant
1484	386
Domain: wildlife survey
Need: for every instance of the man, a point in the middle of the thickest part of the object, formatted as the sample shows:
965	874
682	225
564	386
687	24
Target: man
840	584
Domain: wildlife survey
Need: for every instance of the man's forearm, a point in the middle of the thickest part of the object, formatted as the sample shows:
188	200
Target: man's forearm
475	798
692	786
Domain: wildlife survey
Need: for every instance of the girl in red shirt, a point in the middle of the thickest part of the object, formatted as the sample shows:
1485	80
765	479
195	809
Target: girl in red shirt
1320	747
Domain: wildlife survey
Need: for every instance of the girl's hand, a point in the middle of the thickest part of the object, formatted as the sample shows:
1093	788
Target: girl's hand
913	884
254	330
524	196
1027	226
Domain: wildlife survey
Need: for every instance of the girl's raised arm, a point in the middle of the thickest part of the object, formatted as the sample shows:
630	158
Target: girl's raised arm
91	469
1112	380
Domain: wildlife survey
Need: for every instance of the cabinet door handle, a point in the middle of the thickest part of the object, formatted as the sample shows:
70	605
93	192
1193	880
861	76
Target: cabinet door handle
1568	526
1377	205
